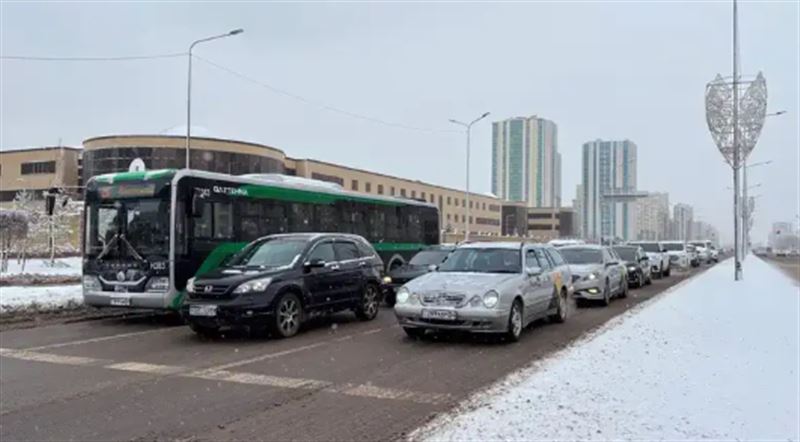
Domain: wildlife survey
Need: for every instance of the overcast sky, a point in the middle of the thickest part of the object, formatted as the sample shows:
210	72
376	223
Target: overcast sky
599	70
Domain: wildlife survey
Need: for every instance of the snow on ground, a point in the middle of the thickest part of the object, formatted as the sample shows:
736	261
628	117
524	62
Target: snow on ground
40	297
712	359
63	266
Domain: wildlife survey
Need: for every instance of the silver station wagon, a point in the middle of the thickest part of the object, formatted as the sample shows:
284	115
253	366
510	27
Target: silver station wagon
487	288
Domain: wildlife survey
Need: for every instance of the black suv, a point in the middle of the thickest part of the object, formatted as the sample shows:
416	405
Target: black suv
423	262
278	281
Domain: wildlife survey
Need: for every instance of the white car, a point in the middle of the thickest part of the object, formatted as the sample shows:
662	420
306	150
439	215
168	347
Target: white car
660	265
679	253
703	250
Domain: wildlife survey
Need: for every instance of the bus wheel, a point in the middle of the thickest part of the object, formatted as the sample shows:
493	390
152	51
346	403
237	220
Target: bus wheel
206	332
367	308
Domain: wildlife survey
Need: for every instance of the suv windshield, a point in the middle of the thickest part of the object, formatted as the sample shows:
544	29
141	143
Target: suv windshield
276	252
626	253
483	261
428	257
648	246
582	256
672	246
144	223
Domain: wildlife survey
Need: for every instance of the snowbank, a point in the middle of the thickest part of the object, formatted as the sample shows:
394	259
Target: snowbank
13	298
712	359
64	266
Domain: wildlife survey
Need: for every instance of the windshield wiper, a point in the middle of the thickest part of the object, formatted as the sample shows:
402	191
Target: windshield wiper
132	250
107	248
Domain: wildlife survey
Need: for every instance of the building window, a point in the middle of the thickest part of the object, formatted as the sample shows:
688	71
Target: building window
403	193
368	187
440	202
355	185
422	195
327	178
433	199
470	220
471	204
413	194
484	206
380	189
448	200
393	191
463	202
448	217
463	218
38	167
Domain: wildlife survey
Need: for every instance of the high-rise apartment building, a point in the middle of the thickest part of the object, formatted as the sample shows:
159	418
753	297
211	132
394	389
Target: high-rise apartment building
682	217
526	165
577	205
609	171
652	217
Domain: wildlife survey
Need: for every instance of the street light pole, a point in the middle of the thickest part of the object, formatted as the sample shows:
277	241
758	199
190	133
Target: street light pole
189	87
468	128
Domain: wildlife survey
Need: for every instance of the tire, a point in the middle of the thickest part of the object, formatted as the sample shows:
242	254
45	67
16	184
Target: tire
639	280
606	295
667	272
206	332
288	316
514	327
649	280
414	333
624	292
390	298
562	308
369	304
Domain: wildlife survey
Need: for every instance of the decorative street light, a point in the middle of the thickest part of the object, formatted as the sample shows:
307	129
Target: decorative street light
468	128
189	86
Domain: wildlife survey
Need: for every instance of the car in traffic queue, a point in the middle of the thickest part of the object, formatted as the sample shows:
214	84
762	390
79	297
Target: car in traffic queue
486	287
637	263
424	261
714	253
277	282
679	254
703	250
660	264
694	255
597	273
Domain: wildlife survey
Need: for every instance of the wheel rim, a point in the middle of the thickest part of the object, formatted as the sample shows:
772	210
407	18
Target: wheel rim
288	316
516	320
370	301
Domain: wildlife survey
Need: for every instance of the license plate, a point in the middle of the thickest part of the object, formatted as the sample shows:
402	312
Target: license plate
445	315
121	301
202	310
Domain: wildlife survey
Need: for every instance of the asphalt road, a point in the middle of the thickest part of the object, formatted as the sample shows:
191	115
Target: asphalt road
143	379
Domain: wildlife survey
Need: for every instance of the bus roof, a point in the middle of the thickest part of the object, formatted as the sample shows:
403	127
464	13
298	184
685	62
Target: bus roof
307	185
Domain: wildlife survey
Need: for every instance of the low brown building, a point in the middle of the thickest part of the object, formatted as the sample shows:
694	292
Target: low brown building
39	169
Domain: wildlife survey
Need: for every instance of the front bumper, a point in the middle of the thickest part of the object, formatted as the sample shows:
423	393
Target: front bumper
472	319
149	300
588	289
229	313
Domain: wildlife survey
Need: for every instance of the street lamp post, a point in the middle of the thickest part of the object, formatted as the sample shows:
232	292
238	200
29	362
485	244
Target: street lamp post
189	86
468	128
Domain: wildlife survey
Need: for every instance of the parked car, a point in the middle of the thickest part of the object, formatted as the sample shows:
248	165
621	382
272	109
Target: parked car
423	262
679	254
277	282
694	255
714	253
703	250
597	274
486	288
637	263
660	264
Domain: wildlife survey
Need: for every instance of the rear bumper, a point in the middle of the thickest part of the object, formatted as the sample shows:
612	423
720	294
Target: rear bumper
476	320
149	300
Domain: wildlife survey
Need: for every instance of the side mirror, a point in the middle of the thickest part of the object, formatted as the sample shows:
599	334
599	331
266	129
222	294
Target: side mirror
533	271
433	268
197	206
314	264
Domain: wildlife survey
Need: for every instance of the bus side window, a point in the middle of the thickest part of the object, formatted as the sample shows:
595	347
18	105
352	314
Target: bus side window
326	218
377	223
250	217
223	220
392	224
180	228
202	224
274	220
300	218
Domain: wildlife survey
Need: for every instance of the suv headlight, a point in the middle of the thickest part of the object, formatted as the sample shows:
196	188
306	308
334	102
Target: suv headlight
256	285
91	283
490	299
157	284
190	285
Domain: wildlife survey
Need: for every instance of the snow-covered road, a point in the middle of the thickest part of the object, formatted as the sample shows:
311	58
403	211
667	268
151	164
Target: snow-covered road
711	358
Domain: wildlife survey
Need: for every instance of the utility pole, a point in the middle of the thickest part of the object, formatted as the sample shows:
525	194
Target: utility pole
736	152
468	129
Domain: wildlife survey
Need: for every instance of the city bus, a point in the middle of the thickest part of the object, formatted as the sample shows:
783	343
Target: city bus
148	232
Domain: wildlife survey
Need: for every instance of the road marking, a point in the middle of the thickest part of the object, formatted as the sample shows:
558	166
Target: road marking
370	332
100	339
372	391
259	379
26	355
266	356
142	367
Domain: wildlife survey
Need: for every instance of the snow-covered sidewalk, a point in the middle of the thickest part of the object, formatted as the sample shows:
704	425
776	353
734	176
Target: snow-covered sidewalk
37	266
711	359
13	298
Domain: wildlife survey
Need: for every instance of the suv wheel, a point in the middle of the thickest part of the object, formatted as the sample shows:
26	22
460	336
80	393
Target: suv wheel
606	294
367	308
623	292
514	322
288	316
562	307
666	272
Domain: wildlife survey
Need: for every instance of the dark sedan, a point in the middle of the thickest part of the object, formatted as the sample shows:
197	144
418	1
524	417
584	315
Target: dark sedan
422	263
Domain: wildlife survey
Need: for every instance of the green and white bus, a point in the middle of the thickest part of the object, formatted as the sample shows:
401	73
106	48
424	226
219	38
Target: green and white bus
148	232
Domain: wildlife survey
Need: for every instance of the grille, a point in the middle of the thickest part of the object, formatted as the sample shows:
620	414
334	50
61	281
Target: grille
203	291
449	299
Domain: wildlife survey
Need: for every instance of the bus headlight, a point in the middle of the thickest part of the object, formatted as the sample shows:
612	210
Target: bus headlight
190	285
91	283
256	285
402	295
490	299
157	284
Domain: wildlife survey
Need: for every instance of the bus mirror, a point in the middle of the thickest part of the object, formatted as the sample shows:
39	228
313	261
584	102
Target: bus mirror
198	203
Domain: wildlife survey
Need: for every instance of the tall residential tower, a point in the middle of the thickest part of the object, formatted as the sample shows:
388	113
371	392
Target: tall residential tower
526	165
609	170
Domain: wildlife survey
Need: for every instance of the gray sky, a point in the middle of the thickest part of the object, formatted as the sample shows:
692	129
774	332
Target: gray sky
599	70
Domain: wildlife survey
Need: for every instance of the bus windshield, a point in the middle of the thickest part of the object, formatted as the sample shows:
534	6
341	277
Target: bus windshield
142	223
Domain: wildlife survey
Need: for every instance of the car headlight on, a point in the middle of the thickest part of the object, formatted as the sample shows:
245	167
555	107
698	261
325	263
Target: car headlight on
91	283
402	295
157	284
190	285
387	279
254	286
631	269
490	299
